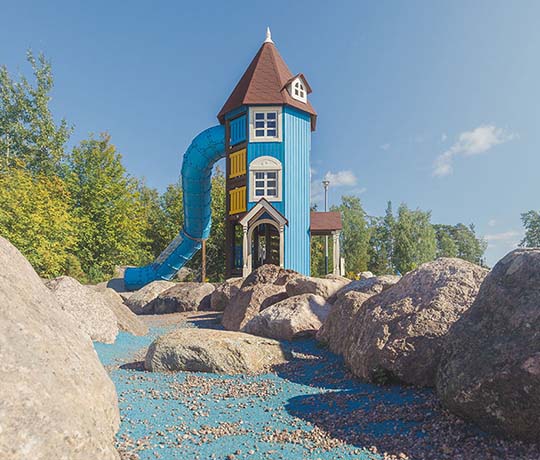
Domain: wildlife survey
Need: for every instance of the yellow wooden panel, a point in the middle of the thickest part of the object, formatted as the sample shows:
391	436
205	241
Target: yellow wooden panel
238	163
237	200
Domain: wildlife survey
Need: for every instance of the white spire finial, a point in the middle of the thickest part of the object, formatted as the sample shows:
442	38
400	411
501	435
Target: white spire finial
268	36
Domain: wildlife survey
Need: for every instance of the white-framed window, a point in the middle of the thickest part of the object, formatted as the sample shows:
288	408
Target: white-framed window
265	179
265	124
266	184
297	90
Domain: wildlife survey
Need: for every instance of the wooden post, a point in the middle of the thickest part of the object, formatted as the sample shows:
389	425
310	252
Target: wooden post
203	262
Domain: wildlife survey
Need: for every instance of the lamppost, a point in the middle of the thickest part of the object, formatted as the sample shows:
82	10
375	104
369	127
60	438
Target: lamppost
326	183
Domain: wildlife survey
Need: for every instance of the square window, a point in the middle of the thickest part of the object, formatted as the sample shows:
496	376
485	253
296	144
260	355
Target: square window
259	124
271	175
259	192
271	183
259	132
259	183
259	115
271	115
271	192
271	132
259	175
271	124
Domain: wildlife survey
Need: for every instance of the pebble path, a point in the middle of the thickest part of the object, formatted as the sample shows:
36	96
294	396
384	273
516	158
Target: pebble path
309	408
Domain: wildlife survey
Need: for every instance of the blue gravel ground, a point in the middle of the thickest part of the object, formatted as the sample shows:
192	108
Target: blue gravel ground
309	408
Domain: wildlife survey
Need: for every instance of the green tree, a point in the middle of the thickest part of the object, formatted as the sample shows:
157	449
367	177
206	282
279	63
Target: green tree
28	132
381	244
531	222
460	241
106	203
34	216
414	239
215	245
356	234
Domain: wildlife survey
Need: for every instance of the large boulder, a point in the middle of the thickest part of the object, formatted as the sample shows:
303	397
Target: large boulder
87	307
209	350
270	274
490	368
183	297
140	302
324	287
336	329
56	400
291	318
397	334
224	293
371	286
248	302
127	320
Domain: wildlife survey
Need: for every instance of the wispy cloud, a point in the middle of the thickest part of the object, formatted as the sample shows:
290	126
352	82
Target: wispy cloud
341	178
385	146
507	240
444	137
469	143
492	223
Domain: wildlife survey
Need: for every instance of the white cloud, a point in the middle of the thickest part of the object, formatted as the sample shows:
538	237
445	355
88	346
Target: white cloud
444	137
346	179
385	146
341	178
492	223
469	143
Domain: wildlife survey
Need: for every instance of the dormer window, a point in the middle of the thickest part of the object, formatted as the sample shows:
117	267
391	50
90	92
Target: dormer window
265	124
298	90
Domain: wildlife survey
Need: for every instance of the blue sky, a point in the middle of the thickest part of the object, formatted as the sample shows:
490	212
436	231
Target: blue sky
431	103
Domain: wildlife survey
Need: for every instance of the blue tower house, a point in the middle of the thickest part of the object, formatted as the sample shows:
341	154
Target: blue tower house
268	121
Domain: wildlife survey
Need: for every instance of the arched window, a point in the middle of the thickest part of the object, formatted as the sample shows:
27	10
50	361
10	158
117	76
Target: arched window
265	179
298	90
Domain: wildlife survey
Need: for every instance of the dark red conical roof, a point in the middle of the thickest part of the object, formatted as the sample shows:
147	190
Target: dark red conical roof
264	83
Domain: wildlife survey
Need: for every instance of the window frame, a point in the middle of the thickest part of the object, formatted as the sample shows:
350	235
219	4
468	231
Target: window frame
265	110
292	89
265	165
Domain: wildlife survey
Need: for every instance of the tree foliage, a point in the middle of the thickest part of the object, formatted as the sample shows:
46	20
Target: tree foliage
28	132
106	204
34	216
356	233
531	222
414	239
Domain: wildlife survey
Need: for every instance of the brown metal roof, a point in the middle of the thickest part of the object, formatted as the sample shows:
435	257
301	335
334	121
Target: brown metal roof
264	82
325	222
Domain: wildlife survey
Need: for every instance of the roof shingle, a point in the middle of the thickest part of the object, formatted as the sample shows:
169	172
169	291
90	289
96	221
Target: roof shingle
264	82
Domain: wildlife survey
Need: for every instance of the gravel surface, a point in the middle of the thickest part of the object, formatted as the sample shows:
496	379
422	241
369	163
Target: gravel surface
309	408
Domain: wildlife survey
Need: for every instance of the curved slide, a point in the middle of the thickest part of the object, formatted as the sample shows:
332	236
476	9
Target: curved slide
207	148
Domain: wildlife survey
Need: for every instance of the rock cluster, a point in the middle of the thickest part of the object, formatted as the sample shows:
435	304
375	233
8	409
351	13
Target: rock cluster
290	318
127	320
490	367
183	297
56	400
224	293
87	307
336	330
397	335
140	302
265	286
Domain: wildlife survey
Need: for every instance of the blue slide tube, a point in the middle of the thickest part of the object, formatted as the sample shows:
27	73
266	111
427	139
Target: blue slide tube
205	150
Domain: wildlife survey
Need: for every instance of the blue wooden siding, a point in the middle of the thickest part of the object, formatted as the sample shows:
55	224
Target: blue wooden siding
238	128
296	182
272	149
